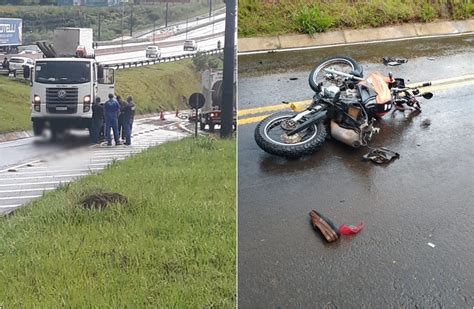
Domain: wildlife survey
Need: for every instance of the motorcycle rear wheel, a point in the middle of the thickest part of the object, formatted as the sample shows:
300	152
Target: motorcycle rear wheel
270	142
339	63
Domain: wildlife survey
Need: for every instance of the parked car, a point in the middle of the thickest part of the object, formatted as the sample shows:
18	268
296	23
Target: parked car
17	63
190	45
153	51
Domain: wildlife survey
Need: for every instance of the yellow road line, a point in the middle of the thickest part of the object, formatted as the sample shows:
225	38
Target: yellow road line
262	109
250	119
257	110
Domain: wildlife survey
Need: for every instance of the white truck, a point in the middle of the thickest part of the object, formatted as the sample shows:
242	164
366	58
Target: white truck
64	88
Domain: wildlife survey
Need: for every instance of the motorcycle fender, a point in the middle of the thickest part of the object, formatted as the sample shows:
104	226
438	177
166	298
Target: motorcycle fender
308	123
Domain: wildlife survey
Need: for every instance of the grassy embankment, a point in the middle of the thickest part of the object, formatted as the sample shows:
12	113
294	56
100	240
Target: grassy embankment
40	21
265	18
153	87
173	245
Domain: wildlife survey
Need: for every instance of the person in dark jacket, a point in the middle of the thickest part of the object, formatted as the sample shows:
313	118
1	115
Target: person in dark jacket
120	117
5	64
112	110
97	120
128	114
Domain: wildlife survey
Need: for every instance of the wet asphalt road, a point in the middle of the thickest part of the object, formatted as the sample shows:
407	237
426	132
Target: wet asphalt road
425	196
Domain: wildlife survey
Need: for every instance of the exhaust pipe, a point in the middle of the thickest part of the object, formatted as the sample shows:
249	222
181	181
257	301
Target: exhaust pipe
347	136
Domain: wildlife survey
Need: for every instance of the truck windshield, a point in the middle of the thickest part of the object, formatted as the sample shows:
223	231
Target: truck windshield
62	72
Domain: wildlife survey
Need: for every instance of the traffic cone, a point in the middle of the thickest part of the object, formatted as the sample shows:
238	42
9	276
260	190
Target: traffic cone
162	116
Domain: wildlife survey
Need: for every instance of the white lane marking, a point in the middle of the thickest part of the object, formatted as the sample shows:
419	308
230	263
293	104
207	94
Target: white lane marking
49	176
27	190
21	172
60	166
35	183
19	197
18	166
10	206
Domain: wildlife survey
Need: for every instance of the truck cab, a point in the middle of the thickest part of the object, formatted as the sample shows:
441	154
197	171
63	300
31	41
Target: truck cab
63	90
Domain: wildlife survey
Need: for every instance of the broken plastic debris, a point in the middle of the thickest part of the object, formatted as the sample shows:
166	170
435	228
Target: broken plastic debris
394	61
350	229
381	155
431	245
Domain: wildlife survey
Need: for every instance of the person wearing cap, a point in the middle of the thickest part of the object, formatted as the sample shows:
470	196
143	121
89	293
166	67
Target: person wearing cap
111	113
128	112
97	120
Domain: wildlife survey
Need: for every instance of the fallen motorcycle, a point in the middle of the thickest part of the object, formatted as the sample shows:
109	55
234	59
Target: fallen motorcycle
345	105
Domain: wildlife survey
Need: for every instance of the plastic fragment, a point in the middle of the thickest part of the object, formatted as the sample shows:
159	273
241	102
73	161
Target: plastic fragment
431	245
350	229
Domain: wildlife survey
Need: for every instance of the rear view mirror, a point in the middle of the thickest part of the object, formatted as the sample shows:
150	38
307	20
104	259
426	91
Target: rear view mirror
427	95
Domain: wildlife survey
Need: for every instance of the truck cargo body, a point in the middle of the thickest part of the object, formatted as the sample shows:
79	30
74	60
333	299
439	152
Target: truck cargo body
10	33
66	41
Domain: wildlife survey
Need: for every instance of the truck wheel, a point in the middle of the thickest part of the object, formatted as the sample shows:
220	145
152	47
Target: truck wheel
38	128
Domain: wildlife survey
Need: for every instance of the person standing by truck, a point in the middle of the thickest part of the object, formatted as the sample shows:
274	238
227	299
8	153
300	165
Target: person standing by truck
112	110
120	117
97	120
128	112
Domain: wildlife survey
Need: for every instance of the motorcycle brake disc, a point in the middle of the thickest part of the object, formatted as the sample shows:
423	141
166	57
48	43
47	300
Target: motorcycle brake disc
288	125
293	139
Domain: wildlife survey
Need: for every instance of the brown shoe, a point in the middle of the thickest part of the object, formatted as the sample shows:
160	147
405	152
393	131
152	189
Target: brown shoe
323	226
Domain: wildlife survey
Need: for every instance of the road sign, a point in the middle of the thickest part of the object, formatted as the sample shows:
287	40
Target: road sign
197	100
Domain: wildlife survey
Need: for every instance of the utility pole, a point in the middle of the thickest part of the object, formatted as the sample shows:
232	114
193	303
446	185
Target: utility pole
166	15
131	19
186	28
99	29
123	13
229	67
210	8
154	30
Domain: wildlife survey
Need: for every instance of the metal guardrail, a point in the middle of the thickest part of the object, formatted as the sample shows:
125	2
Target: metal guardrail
134	64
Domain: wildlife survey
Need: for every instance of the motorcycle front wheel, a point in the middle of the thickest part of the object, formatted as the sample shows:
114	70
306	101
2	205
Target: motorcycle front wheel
338	63
272	138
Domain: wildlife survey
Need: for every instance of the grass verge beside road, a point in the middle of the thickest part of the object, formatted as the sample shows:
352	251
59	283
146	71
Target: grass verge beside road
267	18
172	246
159	86
14	106
153	87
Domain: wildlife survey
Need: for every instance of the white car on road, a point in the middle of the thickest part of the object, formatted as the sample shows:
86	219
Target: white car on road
17	63
153	51
190	45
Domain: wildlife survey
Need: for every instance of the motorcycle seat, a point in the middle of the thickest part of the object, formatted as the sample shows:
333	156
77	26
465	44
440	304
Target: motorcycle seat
365	92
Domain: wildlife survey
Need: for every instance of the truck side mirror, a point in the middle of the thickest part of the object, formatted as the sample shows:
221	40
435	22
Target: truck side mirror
100	72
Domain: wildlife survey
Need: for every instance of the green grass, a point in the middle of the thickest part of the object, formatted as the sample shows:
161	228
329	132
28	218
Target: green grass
263	18
153	87
14	106
159	86
172	246
40	21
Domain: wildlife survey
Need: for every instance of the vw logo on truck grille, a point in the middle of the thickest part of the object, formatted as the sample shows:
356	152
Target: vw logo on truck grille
61	94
